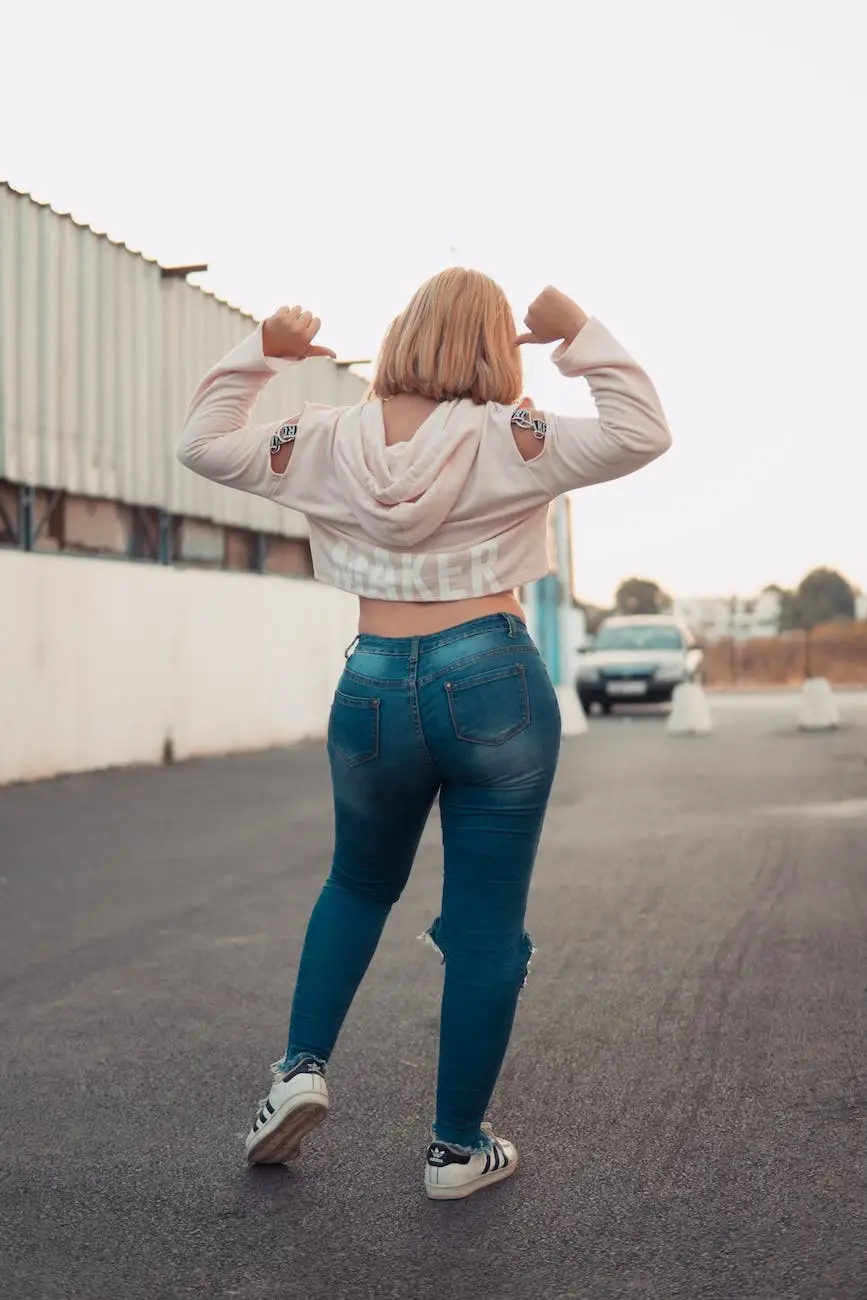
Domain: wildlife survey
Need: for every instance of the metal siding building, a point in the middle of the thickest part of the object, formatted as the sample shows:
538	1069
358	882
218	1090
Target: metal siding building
99	356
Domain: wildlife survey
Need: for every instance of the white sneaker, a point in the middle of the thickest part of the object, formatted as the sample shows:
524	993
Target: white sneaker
449	1175
297	1102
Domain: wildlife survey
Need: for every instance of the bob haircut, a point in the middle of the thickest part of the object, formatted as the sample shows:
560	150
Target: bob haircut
455	339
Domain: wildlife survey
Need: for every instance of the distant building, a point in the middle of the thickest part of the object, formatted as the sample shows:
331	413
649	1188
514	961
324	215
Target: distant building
716	618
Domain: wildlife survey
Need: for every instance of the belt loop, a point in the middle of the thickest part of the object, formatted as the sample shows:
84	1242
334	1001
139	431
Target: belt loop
350	649
511	623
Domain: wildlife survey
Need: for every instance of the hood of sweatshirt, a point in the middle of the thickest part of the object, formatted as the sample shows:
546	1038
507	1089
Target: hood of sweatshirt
400	494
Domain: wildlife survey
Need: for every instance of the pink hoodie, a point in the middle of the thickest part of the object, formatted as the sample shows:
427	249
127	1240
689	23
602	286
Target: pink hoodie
456	511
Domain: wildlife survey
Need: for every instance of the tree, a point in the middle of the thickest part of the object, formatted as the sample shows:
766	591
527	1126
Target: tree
822	596
641	596
790	613
594	616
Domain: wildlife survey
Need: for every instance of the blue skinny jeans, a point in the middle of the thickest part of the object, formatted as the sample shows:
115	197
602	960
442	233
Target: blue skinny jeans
468	714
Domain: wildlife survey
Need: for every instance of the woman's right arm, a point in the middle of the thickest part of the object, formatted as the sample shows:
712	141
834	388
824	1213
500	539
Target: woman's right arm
630	429
216	440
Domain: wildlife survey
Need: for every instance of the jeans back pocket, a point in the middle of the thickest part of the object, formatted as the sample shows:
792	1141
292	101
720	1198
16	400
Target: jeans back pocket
353	729
490	708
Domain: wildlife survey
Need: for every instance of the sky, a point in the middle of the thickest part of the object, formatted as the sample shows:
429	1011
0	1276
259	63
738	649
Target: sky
691	172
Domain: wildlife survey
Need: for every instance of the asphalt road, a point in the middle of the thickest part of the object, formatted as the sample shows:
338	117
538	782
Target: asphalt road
687	1083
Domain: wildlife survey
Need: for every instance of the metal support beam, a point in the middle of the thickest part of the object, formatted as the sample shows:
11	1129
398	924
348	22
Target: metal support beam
166	538
143	531
11	529
26	511
29	529
53	503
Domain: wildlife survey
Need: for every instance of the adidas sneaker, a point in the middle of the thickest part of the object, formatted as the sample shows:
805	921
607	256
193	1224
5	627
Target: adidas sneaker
297	1102
450	1175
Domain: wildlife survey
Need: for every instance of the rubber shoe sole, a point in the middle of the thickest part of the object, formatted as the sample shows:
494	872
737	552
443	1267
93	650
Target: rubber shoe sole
444	1192
280	1140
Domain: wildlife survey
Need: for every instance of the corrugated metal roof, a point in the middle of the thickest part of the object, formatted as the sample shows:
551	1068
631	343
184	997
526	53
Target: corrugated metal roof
99	356
115	243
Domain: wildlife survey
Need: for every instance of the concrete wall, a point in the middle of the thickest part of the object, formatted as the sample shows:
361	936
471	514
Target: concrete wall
105	662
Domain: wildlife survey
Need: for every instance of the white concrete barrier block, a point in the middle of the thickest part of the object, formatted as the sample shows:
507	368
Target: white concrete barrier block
572	715
818	708
690	715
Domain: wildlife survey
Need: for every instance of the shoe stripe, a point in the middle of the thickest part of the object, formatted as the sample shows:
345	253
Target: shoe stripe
496	1156
269	1107
487	1162
263	1116
505	1157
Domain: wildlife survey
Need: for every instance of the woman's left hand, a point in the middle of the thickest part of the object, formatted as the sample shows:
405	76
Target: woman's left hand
289	334
552	317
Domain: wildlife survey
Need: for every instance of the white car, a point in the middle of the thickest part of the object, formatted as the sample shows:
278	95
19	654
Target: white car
637	659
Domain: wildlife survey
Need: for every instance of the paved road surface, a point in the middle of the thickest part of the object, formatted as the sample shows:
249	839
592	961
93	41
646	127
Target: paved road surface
687	1082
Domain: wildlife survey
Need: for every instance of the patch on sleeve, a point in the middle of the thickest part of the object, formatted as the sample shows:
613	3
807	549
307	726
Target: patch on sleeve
286	433
525	419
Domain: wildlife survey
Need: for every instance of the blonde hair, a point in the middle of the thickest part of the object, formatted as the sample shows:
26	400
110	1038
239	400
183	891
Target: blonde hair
456	338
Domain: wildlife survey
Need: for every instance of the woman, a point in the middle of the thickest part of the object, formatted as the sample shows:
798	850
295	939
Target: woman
429	502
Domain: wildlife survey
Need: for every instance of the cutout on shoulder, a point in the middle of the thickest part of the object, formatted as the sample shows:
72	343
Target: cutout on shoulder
282	443
529	429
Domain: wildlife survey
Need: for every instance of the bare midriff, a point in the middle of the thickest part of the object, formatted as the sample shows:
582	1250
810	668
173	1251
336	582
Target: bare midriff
402	415
423	618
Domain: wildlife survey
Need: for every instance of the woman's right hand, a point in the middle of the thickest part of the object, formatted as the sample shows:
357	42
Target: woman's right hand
289	334
552	318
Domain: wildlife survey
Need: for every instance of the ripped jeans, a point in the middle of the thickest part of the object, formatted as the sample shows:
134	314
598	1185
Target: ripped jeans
470	715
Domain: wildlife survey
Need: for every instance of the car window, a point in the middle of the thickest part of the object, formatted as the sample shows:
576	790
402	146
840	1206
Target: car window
639	637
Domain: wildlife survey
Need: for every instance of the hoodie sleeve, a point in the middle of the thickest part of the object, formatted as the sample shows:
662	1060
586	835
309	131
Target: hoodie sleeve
629	432
216	441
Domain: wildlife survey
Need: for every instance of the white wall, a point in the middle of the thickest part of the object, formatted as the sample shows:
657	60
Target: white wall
714	618
102	662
